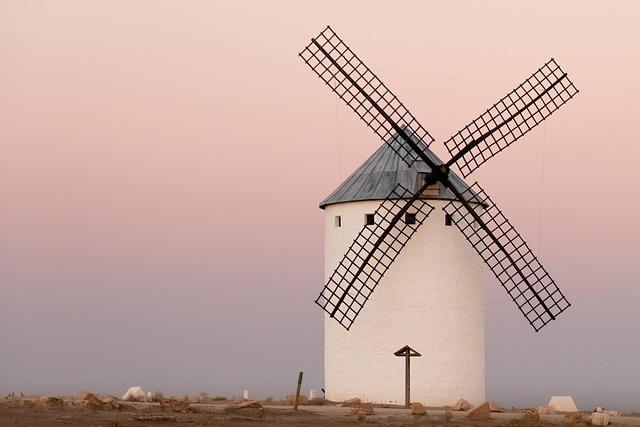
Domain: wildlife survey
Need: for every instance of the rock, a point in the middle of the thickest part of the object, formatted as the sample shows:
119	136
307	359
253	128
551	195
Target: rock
302	399
135	394
572	418
563	404
106	398
600	419
418	408
175	405
81	395
480	412
101	402
352	402
243	404
461	405
531	416
362	409
545	409
495	407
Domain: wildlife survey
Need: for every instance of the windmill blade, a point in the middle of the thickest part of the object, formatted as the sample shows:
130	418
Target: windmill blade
508	256
336	64
521	110
371	254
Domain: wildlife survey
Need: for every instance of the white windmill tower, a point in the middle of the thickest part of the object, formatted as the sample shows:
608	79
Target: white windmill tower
432	299
430	295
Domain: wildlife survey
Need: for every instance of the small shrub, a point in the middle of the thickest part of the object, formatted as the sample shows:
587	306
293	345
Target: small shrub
52	403
526	421
317	401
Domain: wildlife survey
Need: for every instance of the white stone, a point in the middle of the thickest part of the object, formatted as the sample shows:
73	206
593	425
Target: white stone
600	419
432	299
134	393
563	404
312	394
245	394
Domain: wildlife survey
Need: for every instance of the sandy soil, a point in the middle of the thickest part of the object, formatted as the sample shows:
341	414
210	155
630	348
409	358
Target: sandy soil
19	412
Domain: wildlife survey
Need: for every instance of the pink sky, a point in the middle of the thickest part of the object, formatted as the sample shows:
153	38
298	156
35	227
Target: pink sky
162	162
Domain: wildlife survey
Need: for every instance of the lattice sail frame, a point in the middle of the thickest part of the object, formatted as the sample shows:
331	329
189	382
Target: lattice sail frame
517	113
509	266
372	268
322	55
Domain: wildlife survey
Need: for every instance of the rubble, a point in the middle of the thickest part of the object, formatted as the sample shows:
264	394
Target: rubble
545	409
563	404
600	419
418	408
480	412
351	402
531	416
362	409
81	395
101	402
461	405
495	407
135	394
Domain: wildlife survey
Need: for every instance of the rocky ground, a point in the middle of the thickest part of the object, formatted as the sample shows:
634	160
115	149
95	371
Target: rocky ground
95	410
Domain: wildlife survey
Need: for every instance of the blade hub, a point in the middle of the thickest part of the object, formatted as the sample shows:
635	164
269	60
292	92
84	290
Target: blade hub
439	173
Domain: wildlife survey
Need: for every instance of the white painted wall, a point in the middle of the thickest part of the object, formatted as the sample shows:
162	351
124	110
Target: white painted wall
431	299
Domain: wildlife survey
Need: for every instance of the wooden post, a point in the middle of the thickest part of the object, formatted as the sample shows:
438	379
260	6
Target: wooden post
407	380
295	404
408	353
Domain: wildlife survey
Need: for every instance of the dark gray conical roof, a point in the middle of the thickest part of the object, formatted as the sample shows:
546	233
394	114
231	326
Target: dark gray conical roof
379	175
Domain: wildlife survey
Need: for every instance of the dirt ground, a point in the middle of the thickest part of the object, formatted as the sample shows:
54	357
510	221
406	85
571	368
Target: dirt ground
20	412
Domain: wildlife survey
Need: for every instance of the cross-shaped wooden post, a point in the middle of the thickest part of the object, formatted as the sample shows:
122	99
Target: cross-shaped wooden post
408	353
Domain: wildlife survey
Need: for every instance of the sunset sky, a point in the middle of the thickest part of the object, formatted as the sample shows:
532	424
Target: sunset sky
161	165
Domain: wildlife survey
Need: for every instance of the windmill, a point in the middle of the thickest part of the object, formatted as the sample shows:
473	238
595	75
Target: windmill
386	232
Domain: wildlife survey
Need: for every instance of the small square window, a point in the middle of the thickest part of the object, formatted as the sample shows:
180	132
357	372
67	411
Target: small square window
410	218
448	220
338	221
369	219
